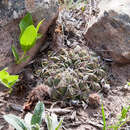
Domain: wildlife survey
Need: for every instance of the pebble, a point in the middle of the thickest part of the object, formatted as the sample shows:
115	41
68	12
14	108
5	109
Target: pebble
94	100
28	75
106	88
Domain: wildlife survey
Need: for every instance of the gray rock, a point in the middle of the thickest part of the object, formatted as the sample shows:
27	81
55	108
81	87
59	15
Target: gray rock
11	12
109	33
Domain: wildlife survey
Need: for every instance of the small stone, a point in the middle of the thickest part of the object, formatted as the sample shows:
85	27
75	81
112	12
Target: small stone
106	88
28	75
94	100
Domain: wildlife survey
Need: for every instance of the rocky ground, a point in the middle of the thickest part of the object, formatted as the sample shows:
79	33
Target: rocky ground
63	65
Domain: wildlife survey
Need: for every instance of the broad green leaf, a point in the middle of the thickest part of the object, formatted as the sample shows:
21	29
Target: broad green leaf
39	24
16	122
3	73
28	38
15	53
9	81
12	80
25	22
39	35
6	79
38	114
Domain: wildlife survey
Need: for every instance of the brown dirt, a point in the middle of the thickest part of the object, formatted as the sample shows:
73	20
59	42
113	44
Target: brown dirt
85	117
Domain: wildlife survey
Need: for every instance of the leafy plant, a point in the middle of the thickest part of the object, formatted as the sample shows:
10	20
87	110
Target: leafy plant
103	118
28	37
121	121
7	79
52	122
33	122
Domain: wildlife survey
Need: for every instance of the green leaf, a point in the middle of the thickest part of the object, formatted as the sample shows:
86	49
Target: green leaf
16	122
124	113
122	119
39	35
38	114
24	59
28	38
15	53
6	79
104	119
35	127
60	123
128	83
113	126
3	73
52	122
39	24
25	22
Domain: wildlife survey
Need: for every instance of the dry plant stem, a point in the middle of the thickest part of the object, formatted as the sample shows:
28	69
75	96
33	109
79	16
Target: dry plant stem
59	111
2	101
52	106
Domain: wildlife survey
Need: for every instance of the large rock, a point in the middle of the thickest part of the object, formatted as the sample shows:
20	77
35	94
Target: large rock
11	12
109	33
